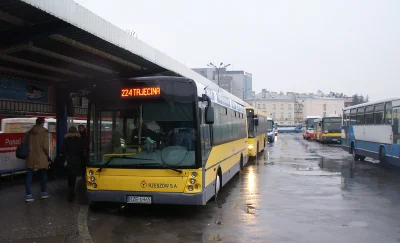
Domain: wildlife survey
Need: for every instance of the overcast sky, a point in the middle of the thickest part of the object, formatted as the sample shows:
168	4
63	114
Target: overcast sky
349	46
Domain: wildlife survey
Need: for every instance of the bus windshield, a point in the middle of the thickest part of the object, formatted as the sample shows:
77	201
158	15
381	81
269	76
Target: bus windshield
332	125
164	131
310	123
270	125
250	123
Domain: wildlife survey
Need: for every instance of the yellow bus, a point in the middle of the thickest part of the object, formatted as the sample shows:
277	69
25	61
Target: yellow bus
329	130
257	127
172	141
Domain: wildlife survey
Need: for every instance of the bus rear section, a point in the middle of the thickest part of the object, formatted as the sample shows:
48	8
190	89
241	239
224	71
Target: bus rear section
158	147
257	131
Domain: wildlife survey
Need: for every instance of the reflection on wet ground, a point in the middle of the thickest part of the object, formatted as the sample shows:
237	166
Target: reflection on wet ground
297	191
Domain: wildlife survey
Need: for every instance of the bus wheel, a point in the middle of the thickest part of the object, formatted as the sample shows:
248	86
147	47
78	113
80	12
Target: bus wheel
95	206
382	156
362	158
355	156
241	162
217	184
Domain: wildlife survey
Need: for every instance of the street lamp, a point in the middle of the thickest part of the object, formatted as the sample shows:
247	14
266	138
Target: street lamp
244	91
221	65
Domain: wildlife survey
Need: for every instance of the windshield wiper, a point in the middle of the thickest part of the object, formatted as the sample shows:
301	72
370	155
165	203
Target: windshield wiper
165	166
118	157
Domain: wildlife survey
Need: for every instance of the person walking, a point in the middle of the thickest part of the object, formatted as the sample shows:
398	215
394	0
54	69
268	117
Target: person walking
73	149
38	158
82	132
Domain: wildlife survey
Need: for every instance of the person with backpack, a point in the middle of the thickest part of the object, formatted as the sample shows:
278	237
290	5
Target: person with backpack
73	149
37	158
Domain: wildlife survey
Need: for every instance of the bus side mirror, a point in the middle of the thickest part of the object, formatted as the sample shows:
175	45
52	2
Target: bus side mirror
256	122
209	116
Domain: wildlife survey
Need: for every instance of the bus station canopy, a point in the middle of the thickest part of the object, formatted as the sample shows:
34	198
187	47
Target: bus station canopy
61	41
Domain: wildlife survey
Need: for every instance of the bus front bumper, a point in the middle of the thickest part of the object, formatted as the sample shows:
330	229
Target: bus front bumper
156	197
331	139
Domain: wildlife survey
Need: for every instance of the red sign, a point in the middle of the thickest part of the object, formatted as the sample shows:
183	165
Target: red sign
10	141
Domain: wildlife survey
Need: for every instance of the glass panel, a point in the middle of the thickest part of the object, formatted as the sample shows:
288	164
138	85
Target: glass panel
369	118
388	113
396	126
140	136
378	117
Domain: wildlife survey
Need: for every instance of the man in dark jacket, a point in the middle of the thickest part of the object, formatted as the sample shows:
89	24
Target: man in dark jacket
73	149
38	158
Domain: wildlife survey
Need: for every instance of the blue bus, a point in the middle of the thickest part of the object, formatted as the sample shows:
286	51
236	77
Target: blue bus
372	130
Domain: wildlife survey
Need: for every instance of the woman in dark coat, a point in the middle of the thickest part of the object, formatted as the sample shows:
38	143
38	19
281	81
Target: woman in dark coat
73	149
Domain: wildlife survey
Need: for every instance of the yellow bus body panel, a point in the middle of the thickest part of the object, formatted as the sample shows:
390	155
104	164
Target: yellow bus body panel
253	141
336	134
144	180
224	156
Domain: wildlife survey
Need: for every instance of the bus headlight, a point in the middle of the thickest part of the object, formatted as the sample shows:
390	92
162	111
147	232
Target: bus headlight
89	183
250	146
190	188
91	172
94	185
92	179
194	174
192	181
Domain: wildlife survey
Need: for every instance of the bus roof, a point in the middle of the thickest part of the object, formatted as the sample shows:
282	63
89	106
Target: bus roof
394	100
312	117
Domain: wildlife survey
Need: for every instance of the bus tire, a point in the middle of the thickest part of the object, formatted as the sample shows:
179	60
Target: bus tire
382	156
353	151
241	162
218	179
362	158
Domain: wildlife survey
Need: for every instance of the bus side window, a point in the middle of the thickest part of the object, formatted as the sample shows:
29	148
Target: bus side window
353	116
388	113
396	126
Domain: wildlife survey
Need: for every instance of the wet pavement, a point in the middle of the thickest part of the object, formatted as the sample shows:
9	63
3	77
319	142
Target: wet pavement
297	191
42	221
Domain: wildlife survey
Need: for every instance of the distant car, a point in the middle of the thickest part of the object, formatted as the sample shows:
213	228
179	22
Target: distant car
271	137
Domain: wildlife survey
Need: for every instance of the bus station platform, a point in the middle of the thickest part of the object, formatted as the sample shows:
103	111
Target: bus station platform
43	220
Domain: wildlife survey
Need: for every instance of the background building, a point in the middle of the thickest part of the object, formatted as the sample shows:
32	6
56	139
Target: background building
292	108
238	83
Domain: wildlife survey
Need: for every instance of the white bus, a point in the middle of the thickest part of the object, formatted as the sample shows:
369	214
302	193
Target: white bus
12	133
372	130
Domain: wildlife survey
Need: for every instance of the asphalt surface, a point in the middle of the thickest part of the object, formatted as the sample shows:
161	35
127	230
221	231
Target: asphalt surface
297	191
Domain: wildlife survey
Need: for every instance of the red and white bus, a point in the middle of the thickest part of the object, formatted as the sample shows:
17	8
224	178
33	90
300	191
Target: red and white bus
308	127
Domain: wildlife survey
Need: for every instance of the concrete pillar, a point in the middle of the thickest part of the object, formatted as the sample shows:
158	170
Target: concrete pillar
61	116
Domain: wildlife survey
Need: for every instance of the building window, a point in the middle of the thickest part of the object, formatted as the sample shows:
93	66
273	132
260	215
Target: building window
259	106
324	114
281	114
263	106
295	106
282	107
273	115
324	107
290	106
274	106
290	115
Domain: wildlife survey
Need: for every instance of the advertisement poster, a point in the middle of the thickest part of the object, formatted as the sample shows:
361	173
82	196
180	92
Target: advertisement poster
23	90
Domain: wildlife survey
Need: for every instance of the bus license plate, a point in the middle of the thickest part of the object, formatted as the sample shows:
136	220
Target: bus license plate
138	199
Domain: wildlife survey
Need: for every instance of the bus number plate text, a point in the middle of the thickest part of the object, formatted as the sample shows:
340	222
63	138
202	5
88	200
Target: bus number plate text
138	199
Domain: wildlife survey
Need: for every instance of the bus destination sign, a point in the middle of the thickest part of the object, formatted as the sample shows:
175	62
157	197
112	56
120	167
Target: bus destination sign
140	92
